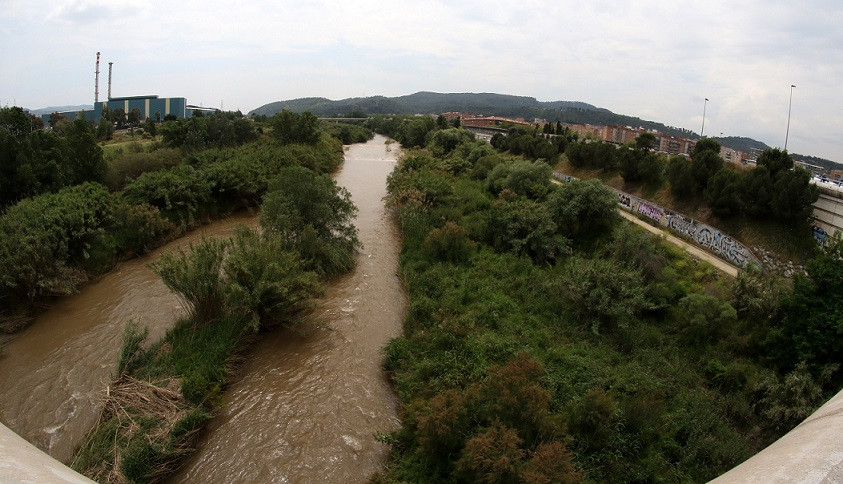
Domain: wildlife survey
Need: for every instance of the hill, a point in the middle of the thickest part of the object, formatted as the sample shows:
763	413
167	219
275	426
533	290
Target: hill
60	109
506	105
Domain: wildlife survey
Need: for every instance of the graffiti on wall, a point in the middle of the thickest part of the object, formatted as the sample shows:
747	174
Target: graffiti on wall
723	245
699	233
651	212
820	234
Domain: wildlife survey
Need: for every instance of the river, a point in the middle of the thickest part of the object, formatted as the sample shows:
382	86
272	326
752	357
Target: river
53	373
305	405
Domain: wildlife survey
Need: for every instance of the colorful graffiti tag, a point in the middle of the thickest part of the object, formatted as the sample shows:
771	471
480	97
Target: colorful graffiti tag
699	233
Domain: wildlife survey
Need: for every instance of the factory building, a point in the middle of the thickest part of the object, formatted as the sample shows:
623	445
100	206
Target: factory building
148	106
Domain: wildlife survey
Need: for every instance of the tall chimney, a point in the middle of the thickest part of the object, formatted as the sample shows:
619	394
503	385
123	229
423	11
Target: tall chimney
109	80
97	81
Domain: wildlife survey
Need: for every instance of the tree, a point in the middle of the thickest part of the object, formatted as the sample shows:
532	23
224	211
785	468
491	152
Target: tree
583	209
150	127
757	191
289	127
134	117
645	142
628	161
444	141
15	121
650	168
55	119
441	122
105	130
723	193
794	195
312	215
413	132
812	327
680	176
521	177
84	156
706	144
118	117
524	227
704	165
776	161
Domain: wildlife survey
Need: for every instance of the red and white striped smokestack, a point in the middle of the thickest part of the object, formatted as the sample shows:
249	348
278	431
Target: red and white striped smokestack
109	80
97	81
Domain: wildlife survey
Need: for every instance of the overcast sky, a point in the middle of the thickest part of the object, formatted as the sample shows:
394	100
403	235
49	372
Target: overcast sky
657	60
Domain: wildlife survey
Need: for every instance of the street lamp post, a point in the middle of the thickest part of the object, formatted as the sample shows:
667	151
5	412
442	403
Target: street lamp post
703	125
789	105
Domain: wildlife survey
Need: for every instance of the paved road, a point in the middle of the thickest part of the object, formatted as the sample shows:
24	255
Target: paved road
691	249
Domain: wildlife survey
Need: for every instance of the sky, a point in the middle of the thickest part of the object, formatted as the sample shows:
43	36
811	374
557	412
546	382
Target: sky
657	60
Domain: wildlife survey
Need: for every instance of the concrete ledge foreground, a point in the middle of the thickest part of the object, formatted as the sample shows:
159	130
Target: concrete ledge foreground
810	453
21	461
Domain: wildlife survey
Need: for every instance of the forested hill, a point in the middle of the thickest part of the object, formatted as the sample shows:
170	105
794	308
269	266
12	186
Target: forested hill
491	104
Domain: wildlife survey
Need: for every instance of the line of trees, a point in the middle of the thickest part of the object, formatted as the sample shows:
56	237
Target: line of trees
775	188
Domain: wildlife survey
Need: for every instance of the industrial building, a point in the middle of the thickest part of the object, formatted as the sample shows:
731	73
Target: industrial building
150	106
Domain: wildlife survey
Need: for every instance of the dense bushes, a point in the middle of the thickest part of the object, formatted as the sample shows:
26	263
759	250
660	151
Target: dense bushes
36	162
312	215
201	132
348	133
650	370
52	242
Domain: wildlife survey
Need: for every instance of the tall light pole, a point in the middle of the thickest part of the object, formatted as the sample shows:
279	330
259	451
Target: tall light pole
703	125
789	105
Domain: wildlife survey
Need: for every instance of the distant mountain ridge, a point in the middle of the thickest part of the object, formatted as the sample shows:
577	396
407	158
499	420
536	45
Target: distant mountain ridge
60	109
506	105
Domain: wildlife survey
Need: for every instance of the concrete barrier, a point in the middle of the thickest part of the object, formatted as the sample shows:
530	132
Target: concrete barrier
810	453
21	461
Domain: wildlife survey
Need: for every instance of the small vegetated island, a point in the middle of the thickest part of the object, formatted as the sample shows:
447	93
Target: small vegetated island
547	341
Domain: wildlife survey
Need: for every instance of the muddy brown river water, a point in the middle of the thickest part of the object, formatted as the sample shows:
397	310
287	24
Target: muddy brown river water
305	404
52	375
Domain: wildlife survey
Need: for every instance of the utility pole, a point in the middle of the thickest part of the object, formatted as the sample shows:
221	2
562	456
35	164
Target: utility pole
703	124
789	105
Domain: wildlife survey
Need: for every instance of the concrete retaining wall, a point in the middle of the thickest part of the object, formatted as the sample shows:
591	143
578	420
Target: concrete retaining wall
810	453
21	461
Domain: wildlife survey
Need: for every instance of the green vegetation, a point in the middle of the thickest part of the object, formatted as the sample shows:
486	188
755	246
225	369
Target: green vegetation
766	207
52	242
547	342
37	161
165	391
348	133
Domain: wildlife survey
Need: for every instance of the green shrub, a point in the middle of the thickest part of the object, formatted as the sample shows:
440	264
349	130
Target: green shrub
450	244
265	283
180	194
521	177
601	293
312	215
195	276
44	239
125	167
583	209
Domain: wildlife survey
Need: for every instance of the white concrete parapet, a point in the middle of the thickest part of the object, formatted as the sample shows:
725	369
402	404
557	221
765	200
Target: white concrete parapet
810	453
21	461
